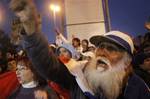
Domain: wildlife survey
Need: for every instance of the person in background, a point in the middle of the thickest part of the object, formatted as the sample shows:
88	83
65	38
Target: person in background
11	64
109	74
69	56
31	83
87	53
60	39
85	45
142	63
76	44
147	26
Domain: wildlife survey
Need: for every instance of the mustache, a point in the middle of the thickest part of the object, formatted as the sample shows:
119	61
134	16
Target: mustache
103	62
106	81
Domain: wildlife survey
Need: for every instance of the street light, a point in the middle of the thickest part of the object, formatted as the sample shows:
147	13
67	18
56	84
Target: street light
55	8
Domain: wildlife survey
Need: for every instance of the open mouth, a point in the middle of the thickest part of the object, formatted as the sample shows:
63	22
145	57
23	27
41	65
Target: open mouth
19	78
101	65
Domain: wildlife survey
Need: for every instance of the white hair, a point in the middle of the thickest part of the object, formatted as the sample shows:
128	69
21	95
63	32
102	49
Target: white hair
109	82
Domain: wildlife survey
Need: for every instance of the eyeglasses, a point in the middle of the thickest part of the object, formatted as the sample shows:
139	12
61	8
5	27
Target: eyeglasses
21	68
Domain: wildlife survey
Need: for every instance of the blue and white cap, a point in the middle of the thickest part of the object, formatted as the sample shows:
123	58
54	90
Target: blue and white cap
70	48
116	37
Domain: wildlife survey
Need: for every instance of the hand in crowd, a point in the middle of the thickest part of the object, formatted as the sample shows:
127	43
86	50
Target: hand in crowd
57	31
40	94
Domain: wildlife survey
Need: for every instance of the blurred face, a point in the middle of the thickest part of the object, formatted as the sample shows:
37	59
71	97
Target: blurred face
9	55
106	71
84	44
146	64
75	43
24	14
24	74
64	52
11	65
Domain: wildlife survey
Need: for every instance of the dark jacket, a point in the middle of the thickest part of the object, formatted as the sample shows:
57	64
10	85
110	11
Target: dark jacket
28	93
144	75
52	69
134	89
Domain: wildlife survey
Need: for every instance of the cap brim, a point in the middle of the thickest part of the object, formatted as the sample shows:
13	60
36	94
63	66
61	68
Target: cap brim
96	40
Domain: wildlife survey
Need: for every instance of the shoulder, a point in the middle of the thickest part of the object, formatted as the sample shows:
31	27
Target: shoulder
137	87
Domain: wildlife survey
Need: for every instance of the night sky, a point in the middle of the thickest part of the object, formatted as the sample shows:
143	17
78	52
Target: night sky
126	15
129	15
43	8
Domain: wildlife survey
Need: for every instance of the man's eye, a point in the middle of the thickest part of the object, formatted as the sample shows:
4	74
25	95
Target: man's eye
102	46
111	48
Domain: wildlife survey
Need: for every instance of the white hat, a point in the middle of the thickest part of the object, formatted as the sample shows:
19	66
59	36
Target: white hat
117	37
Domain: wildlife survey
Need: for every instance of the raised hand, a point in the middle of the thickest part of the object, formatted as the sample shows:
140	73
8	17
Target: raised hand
40	94
26	12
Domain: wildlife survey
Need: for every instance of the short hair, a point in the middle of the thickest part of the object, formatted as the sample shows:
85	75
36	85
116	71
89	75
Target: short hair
76	39
29	65
85	40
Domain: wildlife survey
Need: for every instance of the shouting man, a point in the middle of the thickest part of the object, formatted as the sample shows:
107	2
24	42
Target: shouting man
109	74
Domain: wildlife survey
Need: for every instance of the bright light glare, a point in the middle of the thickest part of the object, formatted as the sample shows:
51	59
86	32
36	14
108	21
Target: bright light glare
0	17
55	8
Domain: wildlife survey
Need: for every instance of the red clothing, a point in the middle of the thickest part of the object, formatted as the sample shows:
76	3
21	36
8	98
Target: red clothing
64	59
63	93
8	82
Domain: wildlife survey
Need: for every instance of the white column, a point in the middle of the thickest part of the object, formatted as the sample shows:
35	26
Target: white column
84	18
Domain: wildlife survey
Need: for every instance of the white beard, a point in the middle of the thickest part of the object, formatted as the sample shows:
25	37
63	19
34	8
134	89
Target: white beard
108	82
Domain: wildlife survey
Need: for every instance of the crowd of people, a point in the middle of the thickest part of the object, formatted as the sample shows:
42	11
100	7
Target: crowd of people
115	66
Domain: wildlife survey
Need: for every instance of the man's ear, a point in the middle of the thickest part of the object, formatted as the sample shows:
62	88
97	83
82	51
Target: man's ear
128	59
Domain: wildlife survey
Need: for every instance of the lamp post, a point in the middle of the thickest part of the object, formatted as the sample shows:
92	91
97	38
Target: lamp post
55	8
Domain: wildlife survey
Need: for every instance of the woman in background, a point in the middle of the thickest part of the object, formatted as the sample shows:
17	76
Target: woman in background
32	85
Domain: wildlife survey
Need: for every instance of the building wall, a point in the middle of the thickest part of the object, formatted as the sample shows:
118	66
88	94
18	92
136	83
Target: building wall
84	18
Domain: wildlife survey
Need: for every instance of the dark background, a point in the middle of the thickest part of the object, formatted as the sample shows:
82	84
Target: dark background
126	15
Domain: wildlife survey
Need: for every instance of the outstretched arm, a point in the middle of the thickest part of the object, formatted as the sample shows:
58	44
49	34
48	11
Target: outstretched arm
60	39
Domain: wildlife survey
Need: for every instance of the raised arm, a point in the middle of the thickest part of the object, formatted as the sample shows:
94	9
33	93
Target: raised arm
60	39
36	45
